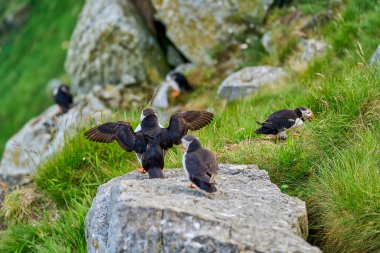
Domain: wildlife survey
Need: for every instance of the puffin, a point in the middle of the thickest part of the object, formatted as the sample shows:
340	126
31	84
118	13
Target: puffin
180	79
63	97
151	140
199	164
282	120
174	81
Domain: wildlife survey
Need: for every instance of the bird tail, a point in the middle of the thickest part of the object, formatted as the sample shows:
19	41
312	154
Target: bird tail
205	186
155	172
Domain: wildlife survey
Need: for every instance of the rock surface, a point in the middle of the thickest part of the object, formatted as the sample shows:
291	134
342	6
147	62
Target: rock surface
311	49
112	45
196	27
375	59
43	135
248	80
247	214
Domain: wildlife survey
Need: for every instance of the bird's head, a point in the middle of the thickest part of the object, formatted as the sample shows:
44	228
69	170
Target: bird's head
305	113
172	81
147	112
190	143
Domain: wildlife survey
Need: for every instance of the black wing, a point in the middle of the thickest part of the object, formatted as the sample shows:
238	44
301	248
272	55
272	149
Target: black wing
120	131
203	167
282	119
181	122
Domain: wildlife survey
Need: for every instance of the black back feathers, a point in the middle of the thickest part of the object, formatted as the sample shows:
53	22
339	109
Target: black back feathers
63	97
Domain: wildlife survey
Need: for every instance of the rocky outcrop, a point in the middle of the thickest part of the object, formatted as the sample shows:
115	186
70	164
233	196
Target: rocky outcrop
248	80
247	214
43	135
196	27
375	59
112	45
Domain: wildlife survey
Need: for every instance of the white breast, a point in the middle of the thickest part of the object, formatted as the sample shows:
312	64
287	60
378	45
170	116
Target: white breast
138	128
160	99
184	165
298	123
139	157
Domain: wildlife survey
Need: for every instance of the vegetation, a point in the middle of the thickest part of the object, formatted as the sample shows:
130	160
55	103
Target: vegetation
30	56
334	164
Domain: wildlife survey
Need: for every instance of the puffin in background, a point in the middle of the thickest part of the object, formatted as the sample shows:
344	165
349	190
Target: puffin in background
180	79
200	164
174	80
63	97
280	121
150	141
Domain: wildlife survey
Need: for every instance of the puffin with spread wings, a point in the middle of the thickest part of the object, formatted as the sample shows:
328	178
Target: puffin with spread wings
150	140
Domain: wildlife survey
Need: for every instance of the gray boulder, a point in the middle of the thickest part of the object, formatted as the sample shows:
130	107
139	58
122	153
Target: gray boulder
247	214
311	49
248	80
112	45
195	27
375	59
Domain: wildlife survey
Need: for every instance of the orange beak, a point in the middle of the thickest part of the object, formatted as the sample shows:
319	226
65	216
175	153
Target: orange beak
175	93
183	148
312	116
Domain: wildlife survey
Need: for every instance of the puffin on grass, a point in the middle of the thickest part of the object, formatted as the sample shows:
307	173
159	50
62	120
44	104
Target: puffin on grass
150	141
282	120
200	164
63	97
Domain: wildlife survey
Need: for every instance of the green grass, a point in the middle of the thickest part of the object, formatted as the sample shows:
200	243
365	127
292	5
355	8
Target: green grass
30	56
333	166
345	198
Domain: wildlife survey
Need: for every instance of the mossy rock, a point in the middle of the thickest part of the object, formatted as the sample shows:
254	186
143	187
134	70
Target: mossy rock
196	27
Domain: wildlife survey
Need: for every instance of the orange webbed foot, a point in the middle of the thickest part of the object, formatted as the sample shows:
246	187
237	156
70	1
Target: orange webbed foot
141	170
192	186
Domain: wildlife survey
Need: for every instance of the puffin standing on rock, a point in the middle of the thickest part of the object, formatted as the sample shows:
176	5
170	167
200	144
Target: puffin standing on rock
63	97
200	164
280	121
150	141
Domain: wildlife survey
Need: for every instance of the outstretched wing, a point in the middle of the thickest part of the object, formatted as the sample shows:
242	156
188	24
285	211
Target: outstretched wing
181	122
120	131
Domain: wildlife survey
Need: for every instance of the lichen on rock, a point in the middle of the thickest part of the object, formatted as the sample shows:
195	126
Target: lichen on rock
109	42
197	26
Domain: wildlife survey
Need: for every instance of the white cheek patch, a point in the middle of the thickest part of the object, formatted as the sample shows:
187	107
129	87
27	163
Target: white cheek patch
185	144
